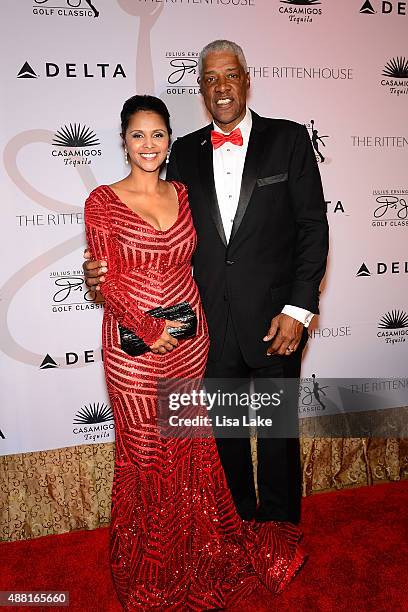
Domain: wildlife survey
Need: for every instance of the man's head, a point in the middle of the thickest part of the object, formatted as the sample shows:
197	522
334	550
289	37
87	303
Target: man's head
224	82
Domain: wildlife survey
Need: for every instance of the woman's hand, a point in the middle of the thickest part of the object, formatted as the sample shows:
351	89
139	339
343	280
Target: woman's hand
166	342
94	271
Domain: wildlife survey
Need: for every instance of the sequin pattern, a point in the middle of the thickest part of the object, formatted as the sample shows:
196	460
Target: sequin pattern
177	543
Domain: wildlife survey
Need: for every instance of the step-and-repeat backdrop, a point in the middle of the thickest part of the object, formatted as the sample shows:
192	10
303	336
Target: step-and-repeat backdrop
341	68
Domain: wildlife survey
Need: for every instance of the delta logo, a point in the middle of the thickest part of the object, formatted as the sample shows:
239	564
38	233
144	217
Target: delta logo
70	359
384	8
382	268
70	70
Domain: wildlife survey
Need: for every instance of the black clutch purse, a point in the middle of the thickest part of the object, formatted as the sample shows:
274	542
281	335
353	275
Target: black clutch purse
134	346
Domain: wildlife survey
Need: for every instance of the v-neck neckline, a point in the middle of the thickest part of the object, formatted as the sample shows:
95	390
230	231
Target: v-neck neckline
160	231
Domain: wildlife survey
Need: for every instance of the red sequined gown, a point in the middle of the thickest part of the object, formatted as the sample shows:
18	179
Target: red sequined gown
177	542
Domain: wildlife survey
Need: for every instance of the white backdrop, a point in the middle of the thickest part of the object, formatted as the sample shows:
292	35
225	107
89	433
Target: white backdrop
341	68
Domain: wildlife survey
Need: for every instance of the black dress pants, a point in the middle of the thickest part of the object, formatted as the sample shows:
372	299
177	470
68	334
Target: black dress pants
278	469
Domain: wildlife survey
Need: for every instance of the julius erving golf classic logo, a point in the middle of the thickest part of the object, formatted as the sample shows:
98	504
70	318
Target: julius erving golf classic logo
312	395
396	76
182	72
69	292
66	8
390	208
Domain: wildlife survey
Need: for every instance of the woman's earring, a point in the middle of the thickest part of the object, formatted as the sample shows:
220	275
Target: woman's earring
168	156
126	156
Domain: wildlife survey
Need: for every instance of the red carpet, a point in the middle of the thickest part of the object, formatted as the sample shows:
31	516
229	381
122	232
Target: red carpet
357	541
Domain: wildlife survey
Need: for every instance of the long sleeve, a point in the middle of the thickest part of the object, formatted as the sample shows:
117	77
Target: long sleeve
117	298
300	314
311	221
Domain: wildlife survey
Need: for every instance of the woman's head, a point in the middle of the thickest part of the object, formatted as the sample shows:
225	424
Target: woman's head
146	131
150	104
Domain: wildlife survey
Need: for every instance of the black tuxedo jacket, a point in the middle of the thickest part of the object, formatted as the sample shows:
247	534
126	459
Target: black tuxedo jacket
278	247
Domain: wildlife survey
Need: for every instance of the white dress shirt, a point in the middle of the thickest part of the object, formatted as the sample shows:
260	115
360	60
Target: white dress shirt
228	164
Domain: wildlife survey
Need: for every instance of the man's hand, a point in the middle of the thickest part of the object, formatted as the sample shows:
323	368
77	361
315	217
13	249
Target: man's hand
166	342
286	333
94	271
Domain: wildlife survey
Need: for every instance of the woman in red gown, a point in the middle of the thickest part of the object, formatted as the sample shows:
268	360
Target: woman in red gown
177	542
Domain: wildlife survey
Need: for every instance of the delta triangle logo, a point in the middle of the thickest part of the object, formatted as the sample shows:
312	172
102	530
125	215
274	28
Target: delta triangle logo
363	271
48	363
26	72
367	8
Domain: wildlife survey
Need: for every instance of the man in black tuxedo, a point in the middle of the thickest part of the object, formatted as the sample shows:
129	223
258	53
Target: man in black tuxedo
258	208
262	248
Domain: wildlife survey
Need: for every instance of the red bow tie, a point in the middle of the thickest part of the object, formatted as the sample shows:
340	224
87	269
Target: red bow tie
218	139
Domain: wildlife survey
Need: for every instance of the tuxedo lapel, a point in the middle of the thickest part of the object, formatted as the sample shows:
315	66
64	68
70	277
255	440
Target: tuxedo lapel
253	157
207	182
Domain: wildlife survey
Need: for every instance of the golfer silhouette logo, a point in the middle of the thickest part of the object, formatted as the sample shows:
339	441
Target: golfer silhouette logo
316	139
318	391
312	393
